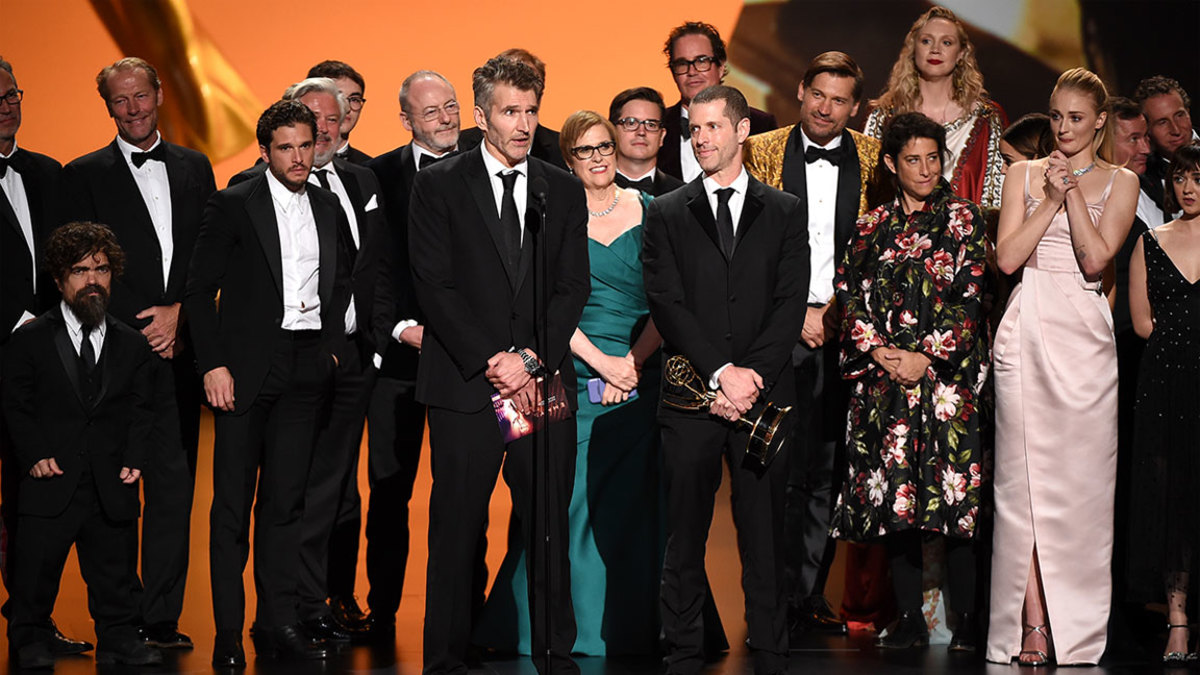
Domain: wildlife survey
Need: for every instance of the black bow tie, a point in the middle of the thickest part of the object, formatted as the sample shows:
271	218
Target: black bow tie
429	160
685	129
15	162
813	153
159	153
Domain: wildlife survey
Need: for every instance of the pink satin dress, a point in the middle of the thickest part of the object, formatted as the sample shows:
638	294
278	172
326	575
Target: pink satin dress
1056	450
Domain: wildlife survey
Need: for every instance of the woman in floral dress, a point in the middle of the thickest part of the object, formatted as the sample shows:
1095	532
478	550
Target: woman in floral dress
916	350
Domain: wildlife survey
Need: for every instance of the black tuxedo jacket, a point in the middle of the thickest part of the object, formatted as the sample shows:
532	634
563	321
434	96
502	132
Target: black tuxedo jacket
396	300
238	255
747	310
367	200
668	154
473	307
544	146
849	187
43	191
354	156
1152	182
100	188
663	183
47	416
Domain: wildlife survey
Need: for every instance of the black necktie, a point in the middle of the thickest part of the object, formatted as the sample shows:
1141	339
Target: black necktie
832	155
322	177
430	160
510	222
87	353
159	153
725	220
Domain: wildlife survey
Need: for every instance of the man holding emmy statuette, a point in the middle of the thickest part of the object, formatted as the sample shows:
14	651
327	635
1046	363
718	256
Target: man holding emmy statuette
726	264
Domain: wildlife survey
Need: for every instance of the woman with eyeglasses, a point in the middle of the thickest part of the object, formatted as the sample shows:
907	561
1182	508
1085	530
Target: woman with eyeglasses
936	74
615	524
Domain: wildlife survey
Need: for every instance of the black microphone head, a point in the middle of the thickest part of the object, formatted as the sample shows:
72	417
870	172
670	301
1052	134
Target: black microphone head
538	188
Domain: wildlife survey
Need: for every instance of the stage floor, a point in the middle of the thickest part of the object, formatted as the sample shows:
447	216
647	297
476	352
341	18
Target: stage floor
853	654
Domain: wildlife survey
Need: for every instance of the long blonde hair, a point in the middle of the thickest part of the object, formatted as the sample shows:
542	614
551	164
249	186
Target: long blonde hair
1089	84
903	90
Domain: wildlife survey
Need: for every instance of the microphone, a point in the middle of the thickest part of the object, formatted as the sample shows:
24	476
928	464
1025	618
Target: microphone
537	193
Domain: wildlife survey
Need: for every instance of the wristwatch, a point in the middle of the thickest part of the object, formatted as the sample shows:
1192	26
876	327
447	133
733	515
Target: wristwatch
532	366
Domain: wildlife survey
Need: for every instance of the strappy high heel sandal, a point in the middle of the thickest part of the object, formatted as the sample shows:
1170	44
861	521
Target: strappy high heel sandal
1043	658
1177	658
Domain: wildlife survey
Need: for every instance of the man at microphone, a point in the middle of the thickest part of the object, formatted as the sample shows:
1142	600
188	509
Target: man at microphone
484	226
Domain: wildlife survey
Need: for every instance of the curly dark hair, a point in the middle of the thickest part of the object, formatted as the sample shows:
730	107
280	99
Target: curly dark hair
338	69
79	240
500	70
283	114
696	28
1158	85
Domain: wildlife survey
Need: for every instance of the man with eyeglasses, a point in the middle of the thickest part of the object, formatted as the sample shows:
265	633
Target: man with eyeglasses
30	183
544	144
353	86
638	116
152	193
429	110
696	57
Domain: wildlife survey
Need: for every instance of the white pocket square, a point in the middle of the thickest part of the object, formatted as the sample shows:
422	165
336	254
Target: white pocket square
372	204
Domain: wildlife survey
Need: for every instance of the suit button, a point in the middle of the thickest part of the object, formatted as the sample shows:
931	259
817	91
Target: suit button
729	336
733	298
514	316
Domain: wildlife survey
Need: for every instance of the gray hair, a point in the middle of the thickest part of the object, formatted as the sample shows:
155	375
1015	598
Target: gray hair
322	85
6	66
412	79
497	70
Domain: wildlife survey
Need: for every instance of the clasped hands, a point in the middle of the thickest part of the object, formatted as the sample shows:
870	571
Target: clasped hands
1059	178
620	375
738	391
506	372
48	468
902	366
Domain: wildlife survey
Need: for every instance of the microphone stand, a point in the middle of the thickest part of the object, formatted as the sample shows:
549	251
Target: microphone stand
541	438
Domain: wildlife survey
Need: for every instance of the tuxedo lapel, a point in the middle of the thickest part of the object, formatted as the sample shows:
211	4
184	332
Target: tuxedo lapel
795	169
177	180
849	187
325	216
751	208
262	217
480	186
104	359
67	355
122	189
702	211
527	243
10	216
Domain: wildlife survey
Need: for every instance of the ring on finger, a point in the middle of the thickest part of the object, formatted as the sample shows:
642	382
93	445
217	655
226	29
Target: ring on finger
1066	180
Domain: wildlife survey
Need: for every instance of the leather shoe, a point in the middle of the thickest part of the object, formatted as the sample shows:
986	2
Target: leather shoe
346	612
132	653
326	628
227	651
378	630
908	631
289	643
815	614
36	655
965	634
164	636
61	645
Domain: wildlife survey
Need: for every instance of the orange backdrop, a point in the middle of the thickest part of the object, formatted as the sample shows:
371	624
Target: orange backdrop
57	47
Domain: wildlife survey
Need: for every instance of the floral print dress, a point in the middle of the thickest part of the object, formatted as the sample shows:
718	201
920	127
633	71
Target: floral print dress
913	282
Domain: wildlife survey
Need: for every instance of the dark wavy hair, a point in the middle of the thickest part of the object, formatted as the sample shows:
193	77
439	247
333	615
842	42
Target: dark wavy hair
1158	85
1186	160
337	69
696	28
283	114
79	240
647	94
1031	136
905	127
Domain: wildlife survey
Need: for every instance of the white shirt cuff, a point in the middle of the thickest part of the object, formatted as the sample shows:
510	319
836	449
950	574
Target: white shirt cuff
25	316
714	382
401	327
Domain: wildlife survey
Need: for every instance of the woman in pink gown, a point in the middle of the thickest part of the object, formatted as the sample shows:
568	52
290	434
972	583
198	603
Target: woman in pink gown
1062	219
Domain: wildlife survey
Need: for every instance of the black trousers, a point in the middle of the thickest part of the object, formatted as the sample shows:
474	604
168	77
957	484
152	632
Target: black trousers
467	451
269	446
168	485
905	551
105	550
811	481
397	427
693	447
331	494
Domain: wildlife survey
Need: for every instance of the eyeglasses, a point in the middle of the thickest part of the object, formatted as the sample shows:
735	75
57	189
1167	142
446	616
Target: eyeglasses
584	152
13	97
632	124
432	113
356	102
702	64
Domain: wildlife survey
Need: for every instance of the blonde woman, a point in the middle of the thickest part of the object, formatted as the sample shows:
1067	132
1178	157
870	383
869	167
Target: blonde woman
936	74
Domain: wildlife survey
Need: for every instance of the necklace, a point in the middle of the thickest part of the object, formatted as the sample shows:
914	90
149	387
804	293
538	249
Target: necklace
1079	172
605	212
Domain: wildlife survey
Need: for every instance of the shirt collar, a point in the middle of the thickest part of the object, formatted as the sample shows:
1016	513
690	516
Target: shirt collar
127	148
283	197
739	184
808	142
343	149
14	151
74	324
494	166
649	174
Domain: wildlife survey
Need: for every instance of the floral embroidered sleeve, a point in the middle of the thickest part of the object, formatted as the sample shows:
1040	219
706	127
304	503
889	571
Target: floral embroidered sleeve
953	282
854	285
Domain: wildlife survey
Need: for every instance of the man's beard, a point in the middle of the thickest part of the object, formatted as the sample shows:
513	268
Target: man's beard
90	307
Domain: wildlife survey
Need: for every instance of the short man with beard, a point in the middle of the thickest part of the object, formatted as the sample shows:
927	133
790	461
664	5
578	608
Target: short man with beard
78	391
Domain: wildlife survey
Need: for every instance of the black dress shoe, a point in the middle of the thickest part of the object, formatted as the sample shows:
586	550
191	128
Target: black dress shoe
908	631
227	651
326	628
815	614
164	636
965	634
378	630
61	645
36	655
132	653
346	612
290	643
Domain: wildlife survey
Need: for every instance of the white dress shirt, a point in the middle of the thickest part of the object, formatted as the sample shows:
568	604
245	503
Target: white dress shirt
152	182
1147	211
493	167
821	179
337	187
689	166
736	200
300	252
13	187
75	330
